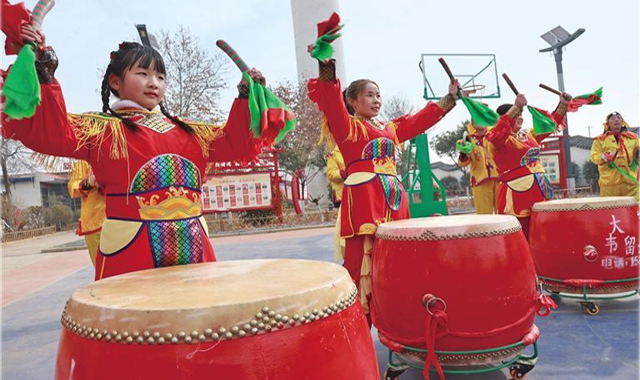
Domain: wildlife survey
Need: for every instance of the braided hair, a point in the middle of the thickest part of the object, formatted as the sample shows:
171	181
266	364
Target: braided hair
128	55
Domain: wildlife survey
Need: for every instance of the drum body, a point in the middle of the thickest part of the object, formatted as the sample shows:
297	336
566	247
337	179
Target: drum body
478	265
586	244
257	319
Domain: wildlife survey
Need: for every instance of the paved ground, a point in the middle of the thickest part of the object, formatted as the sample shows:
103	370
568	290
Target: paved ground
574	346
22	253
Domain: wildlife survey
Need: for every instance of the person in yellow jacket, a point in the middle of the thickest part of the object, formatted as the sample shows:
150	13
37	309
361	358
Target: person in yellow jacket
336	173
616	154
475	152
82	184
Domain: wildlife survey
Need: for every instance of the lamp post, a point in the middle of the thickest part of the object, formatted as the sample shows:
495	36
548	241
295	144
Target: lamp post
147	38
558	38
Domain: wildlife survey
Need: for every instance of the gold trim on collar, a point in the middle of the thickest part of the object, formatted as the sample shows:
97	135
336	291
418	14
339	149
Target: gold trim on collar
156	122
152	120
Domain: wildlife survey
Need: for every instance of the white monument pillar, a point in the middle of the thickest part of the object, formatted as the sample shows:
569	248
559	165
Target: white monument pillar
306	16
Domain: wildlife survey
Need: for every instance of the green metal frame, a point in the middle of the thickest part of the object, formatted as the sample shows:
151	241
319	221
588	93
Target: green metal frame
419	171
518	359
464	79
594	297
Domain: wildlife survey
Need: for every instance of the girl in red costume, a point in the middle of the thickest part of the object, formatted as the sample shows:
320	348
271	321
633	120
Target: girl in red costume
517	156
372	193
148	162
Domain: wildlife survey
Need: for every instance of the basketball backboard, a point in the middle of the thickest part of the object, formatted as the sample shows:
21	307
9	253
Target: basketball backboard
477	72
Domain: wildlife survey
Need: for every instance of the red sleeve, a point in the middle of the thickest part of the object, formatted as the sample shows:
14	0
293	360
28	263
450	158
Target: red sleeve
409	126
328	97
49	130
499	134
237	142
541	136
559	119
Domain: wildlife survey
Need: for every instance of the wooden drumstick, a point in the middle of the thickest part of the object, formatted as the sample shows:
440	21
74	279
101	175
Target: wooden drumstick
510	83
240	63
39	11
446	68
550	89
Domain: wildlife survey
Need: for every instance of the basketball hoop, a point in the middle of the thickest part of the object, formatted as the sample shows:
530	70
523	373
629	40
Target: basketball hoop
473	89
476	73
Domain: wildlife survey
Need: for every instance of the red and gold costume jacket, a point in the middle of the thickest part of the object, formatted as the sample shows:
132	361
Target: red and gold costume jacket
517	156
372	193
151	176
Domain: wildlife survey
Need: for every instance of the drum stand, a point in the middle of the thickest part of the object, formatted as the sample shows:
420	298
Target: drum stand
556	287
518	366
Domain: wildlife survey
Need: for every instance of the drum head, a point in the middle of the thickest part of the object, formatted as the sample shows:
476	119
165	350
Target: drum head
449	227
584	204
210	299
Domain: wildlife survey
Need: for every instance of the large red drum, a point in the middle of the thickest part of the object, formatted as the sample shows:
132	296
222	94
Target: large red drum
475	269
586	245
257	319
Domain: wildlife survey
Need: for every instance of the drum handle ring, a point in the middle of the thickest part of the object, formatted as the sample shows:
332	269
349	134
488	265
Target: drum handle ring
587	250
429	300
539	286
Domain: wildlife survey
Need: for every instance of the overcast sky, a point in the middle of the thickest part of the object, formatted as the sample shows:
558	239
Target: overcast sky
383	41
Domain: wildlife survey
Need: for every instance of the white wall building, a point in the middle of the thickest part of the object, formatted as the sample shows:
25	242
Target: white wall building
580	151
441	170
36	189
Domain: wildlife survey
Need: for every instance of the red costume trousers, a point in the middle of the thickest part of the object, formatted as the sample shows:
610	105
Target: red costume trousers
356	249
353	255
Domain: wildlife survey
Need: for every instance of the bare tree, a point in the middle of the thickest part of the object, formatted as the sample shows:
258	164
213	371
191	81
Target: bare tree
195	77
301	154
393	108
14	158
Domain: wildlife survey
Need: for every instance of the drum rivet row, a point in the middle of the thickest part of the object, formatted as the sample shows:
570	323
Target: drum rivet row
265	320
430	236
587	207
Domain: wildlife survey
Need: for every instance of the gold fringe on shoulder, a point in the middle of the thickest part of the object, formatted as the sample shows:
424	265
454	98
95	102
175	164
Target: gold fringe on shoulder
52	163
357	125
357	131
394	128
325	134
206	133
91	129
